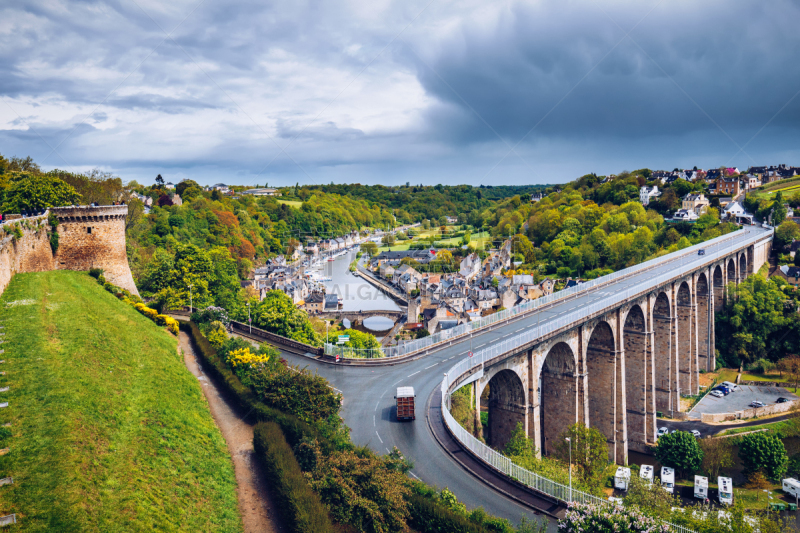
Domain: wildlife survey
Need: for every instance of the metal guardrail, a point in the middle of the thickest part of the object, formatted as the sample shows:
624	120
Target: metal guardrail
528	307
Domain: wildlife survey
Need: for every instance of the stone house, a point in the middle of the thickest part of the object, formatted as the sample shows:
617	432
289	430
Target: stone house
790	273
315	302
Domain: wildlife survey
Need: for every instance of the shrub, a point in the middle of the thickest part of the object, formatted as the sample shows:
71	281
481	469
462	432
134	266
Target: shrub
585	517
425	514
301	509
361	490
96	273
303	394
54	241
161	320
763	452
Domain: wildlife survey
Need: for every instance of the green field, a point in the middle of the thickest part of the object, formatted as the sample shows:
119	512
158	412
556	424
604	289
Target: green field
110	431
291	203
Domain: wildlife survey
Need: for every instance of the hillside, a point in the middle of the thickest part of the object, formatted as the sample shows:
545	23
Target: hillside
110	432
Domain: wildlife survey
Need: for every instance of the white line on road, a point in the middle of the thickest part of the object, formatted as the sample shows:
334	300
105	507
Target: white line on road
377	404
520	329
373	420
484	344
379	437
413	474
415	373
427	367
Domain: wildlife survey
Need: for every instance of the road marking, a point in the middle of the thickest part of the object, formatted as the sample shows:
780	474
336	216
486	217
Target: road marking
377	405
452	357
520	329
379	437
373	420
484	344
427	367
415	373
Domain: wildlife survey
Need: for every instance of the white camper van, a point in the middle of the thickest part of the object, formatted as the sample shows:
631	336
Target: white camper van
700	487
668	479
791	486
646	473
725	490
622	478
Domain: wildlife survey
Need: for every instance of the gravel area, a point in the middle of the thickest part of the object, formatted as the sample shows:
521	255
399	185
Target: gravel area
736	401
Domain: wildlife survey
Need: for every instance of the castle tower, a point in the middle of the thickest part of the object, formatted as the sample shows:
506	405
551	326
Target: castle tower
94	237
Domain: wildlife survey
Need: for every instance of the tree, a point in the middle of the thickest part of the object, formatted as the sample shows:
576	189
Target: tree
791	367
519	445
159	181
681	451
185	184
388	240
717	454
786	232
38	191
589	452
370	248
779	210
164	201
650	497
360	339
276	313
762	452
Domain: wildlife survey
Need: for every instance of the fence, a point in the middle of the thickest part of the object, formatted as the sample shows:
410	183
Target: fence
504	465
534	305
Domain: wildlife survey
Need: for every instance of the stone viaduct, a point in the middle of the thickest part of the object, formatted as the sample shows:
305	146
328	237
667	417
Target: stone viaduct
616	369
87	237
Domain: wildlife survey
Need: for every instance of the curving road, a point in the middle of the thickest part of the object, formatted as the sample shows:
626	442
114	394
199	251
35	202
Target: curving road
369	391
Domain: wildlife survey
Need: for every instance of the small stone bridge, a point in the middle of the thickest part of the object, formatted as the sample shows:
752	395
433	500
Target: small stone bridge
357	317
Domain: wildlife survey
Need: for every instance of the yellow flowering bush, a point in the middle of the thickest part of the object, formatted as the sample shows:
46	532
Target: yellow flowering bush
244	357
217	337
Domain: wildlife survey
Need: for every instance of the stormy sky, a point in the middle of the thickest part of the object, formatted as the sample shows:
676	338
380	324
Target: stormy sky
380	91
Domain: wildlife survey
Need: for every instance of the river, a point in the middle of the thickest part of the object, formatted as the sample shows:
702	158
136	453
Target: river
356	294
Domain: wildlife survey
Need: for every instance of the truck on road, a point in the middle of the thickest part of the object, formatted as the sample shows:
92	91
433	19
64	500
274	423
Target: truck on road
405	403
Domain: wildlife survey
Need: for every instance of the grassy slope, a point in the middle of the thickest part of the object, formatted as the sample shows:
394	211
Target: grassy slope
110	431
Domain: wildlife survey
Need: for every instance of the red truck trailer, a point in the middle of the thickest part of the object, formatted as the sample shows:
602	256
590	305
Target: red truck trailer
405	403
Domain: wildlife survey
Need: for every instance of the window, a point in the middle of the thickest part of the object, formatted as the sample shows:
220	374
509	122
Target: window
88	230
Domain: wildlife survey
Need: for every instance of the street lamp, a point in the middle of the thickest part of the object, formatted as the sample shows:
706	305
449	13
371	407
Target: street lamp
191	285
570	467
249	320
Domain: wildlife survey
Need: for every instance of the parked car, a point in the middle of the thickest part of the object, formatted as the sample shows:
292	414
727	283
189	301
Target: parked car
662	431
716	393
696	433
757	404
723	389
782	400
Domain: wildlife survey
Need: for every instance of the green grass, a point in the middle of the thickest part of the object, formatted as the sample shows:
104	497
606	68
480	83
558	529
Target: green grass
769	425
110	431
292	203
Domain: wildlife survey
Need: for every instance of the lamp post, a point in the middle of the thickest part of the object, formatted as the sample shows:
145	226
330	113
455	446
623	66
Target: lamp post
570	468
191	285
249	320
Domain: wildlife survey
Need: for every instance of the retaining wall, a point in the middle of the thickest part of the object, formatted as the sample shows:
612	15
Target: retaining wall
773	409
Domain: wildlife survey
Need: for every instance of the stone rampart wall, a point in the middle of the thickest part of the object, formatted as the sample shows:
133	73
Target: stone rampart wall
30	253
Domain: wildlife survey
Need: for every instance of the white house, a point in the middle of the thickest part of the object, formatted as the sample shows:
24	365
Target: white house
221	187
470	266
169	185
648	193
685	214
735	211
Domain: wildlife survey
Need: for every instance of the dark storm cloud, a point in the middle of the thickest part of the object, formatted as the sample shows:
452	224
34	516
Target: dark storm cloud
732	61
351	97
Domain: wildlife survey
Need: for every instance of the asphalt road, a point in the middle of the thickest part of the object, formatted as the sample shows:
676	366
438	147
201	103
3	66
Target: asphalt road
369	391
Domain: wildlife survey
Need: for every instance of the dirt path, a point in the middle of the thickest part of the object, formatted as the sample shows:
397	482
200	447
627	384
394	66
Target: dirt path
258	511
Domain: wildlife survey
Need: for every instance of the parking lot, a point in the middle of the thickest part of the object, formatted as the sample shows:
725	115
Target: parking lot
736	401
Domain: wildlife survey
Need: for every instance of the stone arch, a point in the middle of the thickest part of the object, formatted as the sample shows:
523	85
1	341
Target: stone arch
750	259
637	378
558	394
603	368
687	365
663	351
731	270
742	267
507	406
719	287
705	336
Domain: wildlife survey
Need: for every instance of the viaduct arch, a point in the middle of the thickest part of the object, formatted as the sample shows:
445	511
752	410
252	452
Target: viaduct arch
614	371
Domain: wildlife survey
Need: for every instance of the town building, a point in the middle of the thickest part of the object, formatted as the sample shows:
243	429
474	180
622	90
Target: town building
646	194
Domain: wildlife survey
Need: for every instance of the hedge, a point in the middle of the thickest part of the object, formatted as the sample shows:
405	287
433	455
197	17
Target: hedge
293	428
431	516
299	506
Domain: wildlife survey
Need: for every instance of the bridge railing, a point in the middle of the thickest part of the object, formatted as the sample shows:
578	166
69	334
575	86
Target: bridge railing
525	308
